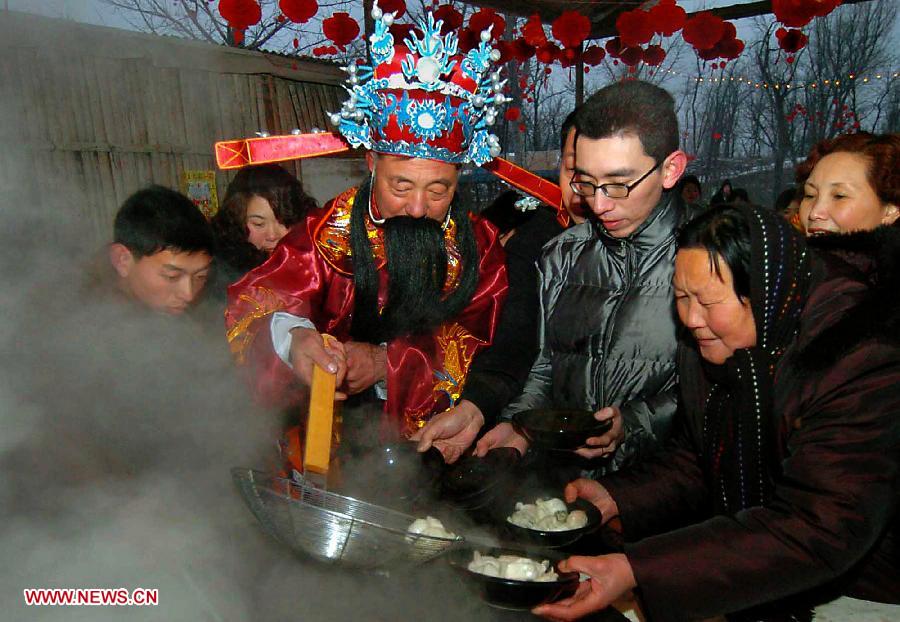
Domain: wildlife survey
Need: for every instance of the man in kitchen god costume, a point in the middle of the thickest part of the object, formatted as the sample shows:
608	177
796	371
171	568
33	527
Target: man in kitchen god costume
392	285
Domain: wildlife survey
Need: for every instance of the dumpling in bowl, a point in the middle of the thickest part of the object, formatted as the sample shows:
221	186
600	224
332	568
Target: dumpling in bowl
513	567
547	515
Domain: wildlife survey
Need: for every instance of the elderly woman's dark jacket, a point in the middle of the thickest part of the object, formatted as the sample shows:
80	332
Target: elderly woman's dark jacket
833	521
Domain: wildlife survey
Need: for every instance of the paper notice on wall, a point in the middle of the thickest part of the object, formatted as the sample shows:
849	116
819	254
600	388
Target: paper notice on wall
200	187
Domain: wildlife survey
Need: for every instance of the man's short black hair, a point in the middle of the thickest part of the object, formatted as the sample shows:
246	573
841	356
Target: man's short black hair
632	107
567	124
156	219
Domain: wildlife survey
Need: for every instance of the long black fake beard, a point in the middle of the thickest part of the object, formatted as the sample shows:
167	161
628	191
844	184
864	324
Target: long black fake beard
417	269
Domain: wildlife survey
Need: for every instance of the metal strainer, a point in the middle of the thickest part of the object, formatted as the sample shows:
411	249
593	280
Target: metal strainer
332	527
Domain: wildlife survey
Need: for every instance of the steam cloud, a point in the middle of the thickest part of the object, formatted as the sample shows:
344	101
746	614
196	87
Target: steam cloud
119	430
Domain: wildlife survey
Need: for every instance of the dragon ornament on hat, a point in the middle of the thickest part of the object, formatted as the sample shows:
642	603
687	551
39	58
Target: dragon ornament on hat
422	99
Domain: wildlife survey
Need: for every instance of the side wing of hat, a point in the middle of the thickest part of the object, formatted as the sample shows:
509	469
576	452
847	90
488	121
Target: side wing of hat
242	152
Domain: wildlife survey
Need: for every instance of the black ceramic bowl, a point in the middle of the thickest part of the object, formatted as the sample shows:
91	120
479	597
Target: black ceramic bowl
510	593
473	483
558	429
551	539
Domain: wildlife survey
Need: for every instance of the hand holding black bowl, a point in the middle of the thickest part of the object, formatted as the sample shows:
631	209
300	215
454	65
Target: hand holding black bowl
559	429
512	593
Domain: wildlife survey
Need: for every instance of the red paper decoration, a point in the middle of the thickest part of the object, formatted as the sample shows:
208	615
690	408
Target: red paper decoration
571	29
667	18
340	28
240	14
512	114
704	30
483	19
299	11
452	18
533	32
393	6
593	55
634	27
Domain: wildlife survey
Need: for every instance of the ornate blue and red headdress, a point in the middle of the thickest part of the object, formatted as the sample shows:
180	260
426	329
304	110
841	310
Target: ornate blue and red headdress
422	99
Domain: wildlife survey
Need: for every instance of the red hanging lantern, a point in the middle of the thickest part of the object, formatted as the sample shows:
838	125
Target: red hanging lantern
571	29
299	11
791	41
468	40
730	49
512	114
452	18
798	13
533	32
240	14
593	55
393	6
634	27
547	53
717	136
632	56
341	29
667	18
520	50
614	47
400	31
485	18
522	127
654	55
704	30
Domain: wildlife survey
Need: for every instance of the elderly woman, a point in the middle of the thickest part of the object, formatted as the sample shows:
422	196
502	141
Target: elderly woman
781	488
850	183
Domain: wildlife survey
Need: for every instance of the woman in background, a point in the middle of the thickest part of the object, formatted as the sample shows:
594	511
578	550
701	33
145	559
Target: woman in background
261	204
850	183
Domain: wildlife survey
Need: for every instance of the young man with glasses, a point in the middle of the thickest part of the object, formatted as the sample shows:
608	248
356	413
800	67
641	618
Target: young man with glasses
608	327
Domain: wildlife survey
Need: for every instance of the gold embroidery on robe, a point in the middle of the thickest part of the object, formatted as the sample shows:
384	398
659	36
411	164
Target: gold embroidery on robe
239	335
458	346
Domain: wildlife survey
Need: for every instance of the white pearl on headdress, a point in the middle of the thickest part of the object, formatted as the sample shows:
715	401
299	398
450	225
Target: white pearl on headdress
495	77
493	140
495	55
495	151
485	35
335	118
376	12
426	120
478	101
427	70
500	99
351	68
388	19
354	80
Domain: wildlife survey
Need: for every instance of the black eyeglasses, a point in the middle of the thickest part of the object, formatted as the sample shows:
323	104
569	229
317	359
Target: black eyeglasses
612	191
